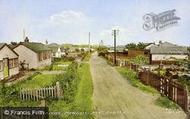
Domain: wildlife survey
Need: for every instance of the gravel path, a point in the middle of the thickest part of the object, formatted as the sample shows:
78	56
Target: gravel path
115	98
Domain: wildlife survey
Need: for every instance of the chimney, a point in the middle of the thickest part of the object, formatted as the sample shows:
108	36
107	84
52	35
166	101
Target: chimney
26	39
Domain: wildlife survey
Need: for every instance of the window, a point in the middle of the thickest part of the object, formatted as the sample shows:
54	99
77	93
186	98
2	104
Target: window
40	56
13	63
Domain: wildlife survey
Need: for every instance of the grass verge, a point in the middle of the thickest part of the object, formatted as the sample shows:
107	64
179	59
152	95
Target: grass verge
131	76
163	101
78	103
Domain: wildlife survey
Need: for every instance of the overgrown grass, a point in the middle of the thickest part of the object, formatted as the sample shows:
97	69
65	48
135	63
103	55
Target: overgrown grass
131	76
87	56
163	101
83	99
77	96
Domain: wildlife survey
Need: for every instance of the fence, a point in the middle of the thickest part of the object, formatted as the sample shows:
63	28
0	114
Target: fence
42	93
166	86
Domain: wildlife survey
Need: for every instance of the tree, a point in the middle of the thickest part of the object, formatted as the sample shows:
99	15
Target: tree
141	45
131	46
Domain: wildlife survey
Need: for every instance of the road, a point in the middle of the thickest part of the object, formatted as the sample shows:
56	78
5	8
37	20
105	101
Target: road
115	98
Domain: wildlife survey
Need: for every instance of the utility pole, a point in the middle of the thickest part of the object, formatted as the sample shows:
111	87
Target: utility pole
114	35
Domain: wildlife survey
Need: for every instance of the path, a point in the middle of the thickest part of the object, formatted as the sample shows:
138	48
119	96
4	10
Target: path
114	95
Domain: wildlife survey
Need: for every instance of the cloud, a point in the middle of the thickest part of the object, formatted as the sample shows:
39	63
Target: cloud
69	17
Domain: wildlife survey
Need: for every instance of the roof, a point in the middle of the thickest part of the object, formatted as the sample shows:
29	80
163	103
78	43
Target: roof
4	44
167	48
1	45
35	46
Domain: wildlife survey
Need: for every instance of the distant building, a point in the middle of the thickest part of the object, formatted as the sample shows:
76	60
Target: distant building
33	54
57	50
9	64
166	53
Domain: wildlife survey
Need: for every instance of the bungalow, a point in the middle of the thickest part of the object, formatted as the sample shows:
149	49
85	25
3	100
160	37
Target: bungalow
167	53
33	54
8	62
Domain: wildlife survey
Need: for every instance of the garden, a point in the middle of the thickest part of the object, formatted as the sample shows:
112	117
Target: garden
75	82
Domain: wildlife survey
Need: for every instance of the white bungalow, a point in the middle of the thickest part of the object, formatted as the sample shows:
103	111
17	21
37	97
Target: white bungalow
8	62
33	54
167	53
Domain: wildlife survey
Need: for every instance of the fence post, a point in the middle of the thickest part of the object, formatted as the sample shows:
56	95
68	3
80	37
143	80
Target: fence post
187	99
58	90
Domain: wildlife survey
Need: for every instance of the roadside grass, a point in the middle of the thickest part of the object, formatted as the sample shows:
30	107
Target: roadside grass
87	56
131	76
80	104
163	101
83	99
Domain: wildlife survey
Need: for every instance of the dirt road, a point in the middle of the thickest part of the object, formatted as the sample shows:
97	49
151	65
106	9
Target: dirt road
115	98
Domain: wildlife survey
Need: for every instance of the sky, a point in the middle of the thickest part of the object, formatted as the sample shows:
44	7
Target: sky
70	21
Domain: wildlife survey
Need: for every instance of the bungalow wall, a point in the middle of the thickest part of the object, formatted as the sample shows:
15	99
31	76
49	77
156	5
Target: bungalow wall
166	58
6	52
33	59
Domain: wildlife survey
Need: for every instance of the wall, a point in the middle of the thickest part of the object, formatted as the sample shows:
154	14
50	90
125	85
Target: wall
6	52
157	57
28	55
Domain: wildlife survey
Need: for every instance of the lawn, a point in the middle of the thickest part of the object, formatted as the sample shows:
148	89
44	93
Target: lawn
39	81
56	66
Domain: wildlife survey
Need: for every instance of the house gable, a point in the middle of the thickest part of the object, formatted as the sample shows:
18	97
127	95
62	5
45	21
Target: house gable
6	51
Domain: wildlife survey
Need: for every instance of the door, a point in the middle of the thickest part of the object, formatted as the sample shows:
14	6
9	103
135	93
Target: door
5	67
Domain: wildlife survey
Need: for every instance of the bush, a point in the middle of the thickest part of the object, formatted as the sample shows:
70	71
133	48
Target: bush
69	82
141	60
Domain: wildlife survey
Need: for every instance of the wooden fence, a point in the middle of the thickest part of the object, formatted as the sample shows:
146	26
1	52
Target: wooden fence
165	85
42	93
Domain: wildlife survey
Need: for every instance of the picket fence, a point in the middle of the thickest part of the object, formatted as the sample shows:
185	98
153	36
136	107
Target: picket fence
42	93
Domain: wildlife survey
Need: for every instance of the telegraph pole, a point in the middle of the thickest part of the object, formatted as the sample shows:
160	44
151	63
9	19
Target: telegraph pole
114	35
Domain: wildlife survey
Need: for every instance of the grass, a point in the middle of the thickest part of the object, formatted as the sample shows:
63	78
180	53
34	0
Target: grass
56	66
39	81
163	101
82	98
61	65
131	76
87	56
